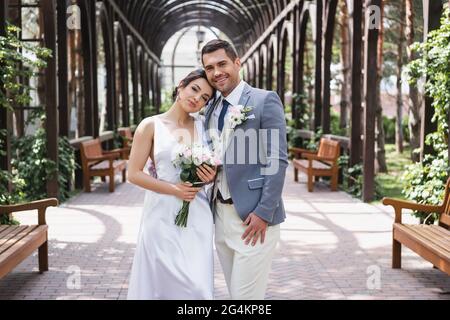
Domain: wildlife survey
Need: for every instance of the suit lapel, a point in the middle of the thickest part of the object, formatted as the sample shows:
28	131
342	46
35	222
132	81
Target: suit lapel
243	101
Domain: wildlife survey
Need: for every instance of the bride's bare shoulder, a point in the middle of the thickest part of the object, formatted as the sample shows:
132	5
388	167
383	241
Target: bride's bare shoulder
147	126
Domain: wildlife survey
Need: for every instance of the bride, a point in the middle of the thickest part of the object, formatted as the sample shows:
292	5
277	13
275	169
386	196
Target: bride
172	262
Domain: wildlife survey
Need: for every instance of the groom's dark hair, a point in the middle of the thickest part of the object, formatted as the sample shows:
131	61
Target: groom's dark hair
218	44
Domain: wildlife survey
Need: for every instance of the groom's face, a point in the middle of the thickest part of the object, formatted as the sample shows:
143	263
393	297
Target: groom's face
222	72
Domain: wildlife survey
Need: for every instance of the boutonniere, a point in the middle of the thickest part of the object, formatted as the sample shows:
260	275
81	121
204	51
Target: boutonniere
238	115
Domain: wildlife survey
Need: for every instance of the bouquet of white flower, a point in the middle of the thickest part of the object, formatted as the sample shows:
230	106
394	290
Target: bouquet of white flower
189	159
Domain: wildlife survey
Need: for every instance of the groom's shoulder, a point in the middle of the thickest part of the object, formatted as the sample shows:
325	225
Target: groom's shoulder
262	92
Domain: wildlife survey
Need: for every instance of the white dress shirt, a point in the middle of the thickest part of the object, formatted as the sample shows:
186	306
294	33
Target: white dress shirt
233	98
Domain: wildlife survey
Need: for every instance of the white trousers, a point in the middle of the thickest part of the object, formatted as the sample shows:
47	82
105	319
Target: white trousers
246	268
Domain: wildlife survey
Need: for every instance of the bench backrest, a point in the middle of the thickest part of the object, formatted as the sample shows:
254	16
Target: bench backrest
329	149
89	149
445	216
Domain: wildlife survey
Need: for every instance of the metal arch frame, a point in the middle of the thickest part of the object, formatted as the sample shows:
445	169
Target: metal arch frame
305	17
174	7
255	69
262	65
254	15
132	52
108	42
89	47
123	67
327	46
285	39
272	56
256	75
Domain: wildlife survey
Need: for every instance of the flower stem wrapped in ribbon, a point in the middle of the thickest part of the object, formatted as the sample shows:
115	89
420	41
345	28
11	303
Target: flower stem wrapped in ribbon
188	159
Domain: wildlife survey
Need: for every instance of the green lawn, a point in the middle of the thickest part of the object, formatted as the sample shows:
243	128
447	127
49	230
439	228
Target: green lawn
390	184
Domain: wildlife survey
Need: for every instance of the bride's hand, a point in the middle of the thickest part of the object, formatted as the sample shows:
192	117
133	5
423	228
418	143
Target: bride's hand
206	173
185	191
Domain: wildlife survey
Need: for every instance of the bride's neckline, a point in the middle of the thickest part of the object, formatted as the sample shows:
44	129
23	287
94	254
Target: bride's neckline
196	132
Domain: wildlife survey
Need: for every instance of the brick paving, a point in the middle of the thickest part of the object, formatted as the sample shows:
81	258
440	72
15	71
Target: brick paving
332	247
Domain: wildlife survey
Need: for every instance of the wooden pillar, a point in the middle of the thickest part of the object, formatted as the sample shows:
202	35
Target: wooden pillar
5	160
158	89
301	61
330	14
432	11
370	99
51	100
295	59
123	58
318	71
63	80
355	140
87	33
93	57
135	79
110	63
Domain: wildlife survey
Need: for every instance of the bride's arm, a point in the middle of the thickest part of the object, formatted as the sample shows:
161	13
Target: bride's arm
140	151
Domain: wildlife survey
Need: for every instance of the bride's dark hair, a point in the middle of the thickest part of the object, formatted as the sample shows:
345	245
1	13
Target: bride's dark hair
194	75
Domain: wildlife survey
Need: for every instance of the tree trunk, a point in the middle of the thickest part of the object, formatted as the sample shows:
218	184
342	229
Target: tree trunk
399	128
345	61
381	153
415	103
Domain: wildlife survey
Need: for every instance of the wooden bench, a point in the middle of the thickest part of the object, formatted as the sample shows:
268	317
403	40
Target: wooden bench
322	163
431	242
19	242
127	137
100	163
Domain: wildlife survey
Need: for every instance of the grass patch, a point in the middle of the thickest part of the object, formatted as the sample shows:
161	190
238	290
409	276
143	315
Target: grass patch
390	184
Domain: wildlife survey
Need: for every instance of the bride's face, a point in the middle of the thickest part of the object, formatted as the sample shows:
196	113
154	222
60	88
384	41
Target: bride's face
195	95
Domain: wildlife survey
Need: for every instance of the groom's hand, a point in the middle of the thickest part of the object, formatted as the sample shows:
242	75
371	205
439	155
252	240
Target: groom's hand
206	173
256	228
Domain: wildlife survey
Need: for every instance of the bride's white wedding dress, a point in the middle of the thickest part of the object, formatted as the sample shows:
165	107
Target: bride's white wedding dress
172	262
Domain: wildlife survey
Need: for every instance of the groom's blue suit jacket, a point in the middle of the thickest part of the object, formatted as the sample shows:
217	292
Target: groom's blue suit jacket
256	158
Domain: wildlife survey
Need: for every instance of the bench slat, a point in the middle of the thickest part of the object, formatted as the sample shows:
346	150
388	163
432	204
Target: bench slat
423	241
16	238
10	233
421	232
316	165
3	230
442	234
21	250
438	239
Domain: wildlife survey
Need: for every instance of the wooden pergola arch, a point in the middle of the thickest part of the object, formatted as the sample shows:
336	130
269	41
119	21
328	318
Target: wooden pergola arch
259	32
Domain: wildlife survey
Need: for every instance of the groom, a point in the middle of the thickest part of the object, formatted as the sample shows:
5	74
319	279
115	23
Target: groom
246	197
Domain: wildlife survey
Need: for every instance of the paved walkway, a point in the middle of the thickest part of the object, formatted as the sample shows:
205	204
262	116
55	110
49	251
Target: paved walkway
332	247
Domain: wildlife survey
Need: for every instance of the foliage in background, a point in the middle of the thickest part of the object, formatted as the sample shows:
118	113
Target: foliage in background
424	182
334	125
389	129
302	111
7	197
31	165
18	59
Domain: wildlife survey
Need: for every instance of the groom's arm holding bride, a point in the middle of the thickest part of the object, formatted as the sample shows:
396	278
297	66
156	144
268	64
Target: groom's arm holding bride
274	144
